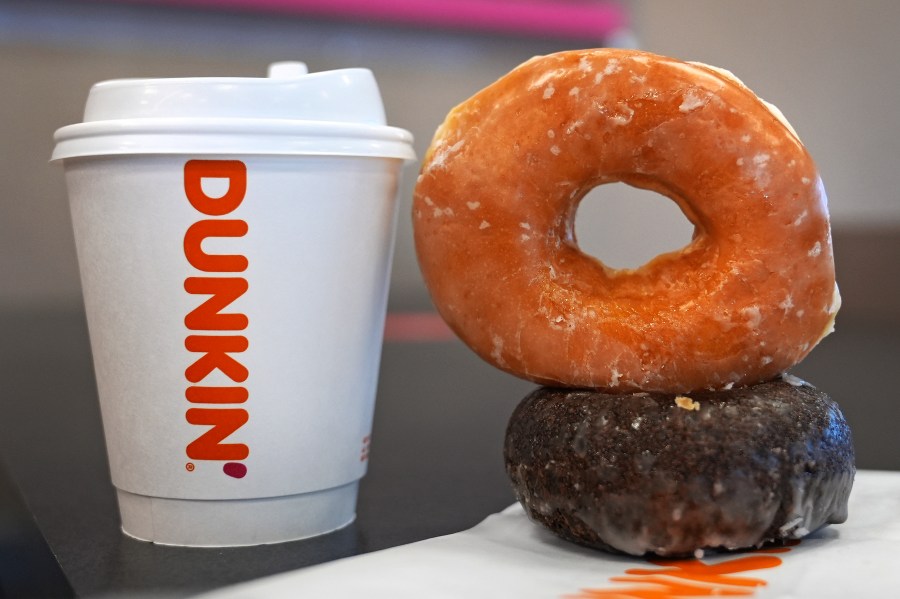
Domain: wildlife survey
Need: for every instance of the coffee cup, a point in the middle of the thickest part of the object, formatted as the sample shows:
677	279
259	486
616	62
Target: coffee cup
234	240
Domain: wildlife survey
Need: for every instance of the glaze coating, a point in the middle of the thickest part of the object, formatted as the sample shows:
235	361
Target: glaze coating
494	211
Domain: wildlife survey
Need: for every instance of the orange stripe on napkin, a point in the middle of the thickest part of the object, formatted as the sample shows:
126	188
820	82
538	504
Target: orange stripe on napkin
689	578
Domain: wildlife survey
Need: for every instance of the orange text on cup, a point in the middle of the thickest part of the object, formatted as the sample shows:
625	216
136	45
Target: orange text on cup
215	334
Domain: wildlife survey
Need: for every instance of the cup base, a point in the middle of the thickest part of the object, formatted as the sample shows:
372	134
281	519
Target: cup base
239	522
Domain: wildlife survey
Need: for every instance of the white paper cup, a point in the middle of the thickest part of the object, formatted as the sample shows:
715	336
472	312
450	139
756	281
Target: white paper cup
234	238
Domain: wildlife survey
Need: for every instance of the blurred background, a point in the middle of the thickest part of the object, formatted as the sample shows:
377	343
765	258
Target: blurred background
832	66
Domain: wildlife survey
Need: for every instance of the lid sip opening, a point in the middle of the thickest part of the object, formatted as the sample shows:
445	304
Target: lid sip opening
288	69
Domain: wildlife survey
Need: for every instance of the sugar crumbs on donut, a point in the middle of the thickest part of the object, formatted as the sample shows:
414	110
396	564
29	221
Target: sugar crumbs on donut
529	147
686	403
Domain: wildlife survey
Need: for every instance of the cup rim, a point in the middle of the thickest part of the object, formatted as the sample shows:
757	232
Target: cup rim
184	135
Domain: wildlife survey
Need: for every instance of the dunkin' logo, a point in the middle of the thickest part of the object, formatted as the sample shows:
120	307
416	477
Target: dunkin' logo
214	332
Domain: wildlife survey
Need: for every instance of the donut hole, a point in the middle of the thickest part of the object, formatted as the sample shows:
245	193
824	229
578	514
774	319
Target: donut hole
626	227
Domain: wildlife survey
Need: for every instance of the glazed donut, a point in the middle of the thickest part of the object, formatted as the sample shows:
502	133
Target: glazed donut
494	210
669	475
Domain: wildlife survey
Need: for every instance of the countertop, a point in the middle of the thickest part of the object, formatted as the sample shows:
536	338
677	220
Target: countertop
435	465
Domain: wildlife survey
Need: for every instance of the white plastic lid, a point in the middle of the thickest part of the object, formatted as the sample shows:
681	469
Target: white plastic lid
291	111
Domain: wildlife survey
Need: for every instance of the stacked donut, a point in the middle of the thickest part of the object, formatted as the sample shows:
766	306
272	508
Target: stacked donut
667	424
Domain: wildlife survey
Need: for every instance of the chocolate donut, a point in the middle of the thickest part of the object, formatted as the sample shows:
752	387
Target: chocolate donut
652	473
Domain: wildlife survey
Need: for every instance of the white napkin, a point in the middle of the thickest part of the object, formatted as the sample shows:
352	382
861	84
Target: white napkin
509	556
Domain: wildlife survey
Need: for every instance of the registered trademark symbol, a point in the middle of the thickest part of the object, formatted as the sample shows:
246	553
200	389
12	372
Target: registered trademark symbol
189	466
